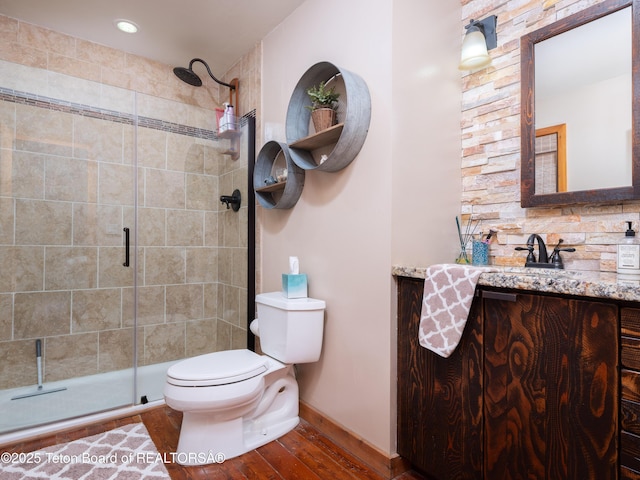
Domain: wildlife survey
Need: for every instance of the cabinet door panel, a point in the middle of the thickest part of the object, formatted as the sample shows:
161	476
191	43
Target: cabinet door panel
515	393
550	388
439	399
594	390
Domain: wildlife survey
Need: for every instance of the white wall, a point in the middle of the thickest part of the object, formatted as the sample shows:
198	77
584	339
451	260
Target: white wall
350	226
426	123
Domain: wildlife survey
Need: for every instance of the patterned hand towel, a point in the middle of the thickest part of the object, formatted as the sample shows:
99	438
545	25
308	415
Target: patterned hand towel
448	293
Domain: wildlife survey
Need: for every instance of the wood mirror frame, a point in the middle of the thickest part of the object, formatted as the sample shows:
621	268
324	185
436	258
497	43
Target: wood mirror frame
528	197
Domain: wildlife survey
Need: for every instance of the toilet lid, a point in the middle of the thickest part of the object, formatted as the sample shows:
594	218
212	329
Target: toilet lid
218	368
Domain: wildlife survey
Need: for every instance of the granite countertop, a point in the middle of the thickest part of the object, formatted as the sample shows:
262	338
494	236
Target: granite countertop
580	283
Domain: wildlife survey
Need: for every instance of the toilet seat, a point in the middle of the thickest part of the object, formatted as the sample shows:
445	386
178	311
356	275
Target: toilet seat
218	368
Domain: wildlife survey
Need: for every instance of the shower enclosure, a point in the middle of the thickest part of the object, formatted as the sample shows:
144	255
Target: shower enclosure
117	257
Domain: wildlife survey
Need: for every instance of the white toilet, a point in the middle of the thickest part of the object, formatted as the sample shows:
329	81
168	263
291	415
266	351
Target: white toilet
237	400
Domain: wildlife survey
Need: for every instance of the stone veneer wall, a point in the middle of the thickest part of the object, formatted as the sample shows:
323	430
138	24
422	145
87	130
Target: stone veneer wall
491	150
78	98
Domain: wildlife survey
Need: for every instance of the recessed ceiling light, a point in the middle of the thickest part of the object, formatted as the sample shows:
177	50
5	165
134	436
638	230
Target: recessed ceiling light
126	26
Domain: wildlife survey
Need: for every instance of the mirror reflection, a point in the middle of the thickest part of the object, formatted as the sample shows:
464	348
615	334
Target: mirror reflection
583	107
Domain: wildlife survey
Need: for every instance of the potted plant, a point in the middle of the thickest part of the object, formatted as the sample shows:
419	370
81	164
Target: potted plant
324	102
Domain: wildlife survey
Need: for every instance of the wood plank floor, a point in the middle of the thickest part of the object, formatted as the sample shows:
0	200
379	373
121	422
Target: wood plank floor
302	454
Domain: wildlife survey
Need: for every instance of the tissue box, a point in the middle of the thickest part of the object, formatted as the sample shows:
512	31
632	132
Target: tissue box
294	285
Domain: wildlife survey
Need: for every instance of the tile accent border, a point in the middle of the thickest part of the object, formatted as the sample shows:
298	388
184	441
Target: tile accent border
25	98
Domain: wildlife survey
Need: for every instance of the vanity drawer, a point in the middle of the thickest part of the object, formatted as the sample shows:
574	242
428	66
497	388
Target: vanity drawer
630	394
630	352
630	383
630	416
630	321
629	453
628	474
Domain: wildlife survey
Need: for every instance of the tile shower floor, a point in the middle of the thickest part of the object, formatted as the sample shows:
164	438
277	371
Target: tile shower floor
83	396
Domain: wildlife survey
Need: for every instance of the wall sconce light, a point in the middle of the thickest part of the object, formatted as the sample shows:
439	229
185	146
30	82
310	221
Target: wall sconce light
480	37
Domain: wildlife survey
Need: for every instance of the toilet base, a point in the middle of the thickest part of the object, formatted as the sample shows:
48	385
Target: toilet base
254	440
216	443
205	439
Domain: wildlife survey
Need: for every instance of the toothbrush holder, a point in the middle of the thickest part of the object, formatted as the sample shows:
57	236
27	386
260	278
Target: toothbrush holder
480	253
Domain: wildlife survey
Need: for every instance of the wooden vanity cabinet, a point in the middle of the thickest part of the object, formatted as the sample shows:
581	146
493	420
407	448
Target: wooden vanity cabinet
530	392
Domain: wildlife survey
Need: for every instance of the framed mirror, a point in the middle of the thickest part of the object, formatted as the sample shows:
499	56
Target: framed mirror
580	119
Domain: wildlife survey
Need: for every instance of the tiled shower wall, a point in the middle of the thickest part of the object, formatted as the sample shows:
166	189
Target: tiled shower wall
67	183
491	150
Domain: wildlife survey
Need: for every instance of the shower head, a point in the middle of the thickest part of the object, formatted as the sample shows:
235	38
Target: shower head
189	76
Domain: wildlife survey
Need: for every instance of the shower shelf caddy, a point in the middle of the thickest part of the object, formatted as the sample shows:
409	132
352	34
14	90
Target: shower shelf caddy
233	135
337	146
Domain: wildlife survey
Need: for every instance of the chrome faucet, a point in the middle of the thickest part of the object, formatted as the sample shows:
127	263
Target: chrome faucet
543	260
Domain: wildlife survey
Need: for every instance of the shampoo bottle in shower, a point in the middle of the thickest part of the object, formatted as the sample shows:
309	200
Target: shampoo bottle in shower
629	254
224	121
231	118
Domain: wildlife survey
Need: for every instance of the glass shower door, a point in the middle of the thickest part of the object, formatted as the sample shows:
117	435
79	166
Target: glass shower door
80	162
192	250
67	183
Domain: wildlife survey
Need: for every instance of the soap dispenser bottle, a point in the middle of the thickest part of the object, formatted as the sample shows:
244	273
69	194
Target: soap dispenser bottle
629	254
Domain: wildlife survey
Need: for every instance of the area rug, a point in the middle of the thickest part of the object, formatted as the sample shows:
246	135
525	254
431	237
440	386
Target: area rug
125	453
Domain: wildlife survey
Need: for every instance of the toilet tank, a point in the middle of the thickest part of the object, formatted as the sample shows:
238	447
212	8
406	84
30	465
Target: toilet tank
290	328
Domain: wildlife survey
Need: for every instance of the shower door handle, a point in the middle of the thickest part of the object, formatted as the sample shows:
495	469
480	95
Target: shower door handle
126	247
